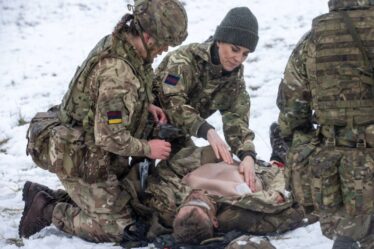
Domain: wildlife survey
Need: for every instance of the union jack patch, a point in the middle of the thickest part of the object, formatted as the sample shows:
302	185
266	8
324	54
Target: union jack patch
114	117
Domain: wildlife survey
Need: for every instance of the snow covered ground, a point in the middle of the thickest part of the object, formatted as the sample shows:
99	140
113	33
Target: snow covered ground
42	42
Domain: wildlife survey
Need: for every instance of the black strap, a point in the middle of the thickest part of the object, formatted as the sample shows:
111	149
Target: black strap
168	242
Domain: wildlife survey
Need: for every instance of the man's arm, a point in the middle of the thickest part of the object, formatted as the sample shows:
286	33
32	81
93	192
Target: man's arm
294	97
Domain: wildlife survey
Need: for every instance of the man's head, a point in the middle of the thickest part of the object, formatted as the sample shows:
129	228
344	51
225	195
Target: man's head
335	5
195	220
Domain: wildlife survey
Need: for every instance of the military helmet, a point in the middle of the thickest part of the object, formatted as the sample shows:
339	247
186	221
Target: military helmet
165	20
349	4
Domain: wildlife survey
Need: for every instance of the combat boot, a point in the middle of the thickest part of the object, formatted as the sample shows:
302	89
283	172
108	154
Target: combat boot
30	189
278	145
345	243
37	214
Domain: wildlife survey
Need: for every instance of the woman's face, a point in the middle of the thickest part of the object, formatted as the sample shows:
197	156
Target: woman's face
231	56
157	48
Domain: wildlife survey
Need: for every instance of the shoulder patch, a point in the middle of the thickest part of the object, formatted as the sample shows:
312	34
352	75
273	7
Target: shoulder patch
171	80
114	117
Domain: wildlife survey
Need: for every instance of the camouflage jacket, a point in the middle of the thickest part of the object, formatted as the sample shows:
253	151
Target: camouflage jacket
329	79
109	96
191	88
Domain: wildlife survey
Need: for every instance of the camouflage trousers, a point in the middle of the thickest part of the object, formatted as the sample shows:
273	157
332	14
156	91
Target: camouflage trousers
101	210
338	181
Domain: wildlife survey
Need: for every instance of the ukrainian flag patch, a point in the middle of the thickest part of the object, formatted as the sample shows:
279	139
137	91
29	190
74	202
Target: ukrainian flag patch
171	80
114	117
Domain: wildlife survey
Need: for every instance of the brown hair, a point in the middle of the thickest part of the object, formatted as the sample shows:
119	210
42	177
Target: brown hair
126	25
191	228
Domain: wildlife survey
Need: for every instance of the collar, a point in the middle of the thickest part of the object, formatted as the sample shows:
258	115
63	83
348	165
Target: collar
198	203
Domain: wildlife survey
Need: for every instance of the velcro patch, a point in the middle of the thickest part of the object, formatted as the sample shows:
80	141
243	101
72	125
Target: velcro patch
171	80
114	117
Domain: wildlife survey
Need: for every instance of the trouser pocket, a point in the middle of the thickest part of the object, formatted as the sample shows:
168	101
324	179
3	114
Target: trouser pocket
325	180
357	175
298	170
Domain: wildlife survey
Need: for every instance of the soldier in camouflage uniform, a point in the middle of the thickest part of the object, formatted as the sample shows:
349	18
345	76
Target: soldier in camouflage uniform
102	119
326	102
265	211
167	191
198	79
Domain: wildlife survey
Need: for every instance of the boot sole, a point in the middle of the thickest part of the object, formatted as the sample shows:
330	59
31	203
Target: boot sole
24	214
25	191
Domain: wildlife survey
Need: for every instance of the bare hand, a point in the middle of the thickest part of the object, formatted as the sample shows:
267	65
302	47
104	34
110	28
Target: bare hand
247	167
160	149
158	114
279	198
220	148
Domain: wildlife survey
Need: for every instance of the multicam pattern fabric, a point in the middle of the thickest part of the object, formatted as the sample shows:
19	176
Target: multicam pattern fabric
191	88
38	138
101	212
112	79
349	4
165	20
103	116
327	76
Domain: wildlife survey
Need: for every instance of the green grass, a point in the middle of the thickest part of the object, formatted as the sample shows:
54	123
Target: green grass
21	120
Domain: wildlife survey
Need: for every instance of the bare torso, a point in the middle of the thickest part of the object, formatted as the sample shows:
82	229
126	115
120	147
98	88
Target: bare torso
219	179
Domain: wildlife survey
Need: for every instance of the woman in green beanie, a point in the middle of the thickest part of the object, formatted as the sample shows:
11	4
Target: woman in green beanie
198	79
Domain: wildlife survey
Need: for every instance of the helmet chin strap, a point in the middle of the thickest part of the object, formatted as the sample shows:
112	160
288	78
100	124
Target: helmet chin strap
148	59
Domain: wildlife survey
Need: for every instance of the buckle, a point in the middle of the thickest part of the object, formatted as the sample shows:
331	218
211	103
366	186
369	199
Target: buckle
361	144
331	142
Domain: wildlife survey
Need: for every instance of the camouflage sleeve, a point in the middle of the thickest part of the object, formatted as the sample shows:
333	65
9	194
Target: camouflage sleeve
294	97
176	79
236	124
276	182
117	95
273	183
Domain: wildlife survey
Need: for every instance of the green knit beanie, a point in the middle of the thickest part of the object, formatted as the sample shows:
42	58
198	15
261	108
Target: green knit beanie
239	27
